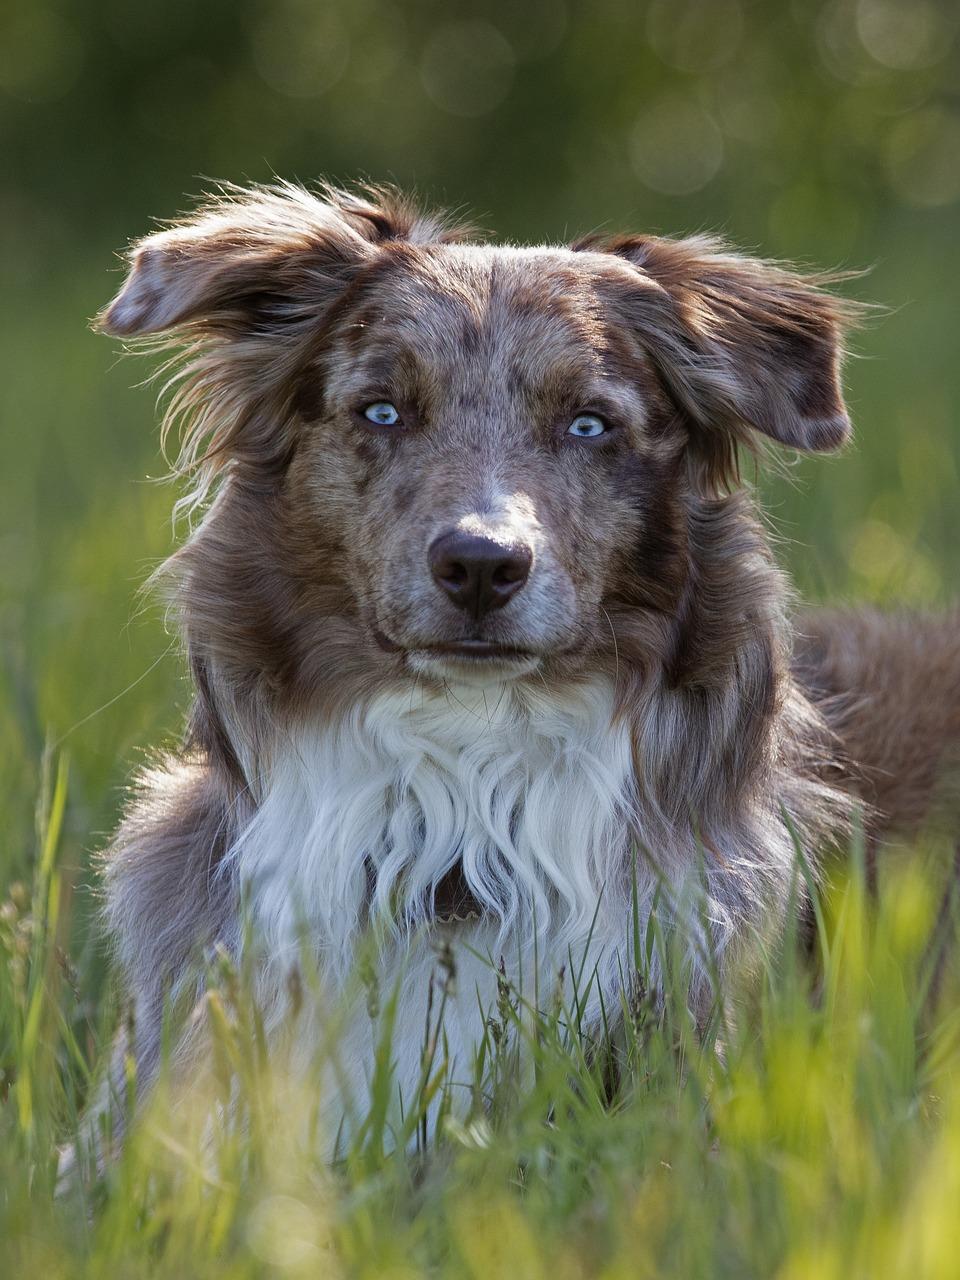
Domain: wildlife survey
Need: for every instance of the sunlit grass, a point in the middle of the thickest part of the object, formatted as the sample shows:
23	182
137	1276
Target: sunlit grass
813	1131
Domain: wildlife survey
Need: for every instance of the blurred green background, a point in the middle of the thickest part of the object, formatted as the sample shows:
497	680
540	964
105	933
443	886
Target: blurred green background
828	133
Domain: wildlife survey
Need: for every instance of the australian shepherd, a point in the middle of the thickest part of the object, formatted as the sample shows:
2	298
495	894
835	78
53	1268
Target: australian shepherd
490	652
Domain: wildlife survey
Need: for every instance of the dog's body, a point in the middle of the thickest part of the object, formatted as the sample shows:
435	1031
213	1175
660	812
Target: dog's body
489	646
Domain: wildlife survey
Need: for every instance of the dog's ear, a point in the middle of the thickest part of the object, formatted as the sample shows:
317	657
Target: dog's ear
741	343
253	255
238	292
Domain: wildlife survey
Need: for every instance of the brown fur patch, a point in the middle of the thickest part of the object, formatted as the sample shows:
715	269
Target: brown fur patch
889	685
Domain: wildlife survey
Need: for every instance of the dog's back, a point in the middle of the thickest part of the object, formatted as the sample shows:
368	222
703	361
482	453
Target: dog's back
889	686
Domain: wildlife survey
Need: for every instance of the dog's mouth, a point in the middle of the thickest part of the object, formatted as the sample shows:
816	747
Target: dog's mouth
467	651
477	650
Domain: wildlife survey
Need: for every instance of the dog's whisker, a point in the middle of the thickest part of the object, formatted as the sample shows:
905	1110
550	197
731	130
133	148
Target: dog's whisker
616	650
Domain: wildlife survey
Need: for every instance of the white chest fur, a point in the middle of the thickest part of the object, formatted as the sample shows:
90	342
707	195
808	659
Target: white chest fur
530	792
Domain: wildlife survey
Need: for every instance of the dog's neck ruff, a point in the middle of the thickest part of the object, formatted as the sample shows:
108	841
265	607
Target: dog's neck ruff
520	797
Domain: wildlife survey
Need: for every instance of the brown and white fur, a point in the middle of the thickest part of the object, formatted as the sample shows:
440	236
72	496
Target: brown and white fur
366	748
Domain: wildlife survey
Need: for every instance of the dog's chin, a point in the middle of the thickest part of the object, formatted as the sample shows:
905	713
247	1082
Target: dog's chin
472	662
467	661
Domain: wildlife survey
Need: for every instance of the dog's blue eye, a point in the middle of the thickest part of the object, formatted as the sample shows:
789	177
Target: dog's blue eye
587	426
383	413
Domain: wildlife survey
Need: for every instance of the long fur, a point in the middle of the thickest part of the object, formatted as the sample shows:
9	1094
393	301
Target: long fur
656	753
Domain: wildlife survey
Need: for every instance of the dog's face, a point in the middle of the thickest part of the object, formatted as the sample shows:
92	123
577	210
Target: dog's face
490	452
487	447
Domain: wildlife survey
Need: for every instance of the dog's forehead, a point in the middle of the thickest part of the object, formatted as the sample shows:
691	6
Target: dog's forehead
497	284
523	312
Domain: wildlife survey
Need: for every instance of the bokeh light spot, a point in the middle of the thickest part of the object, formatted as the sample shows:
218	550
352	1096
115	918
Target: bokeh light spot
694	36
676	147
300	49
923	158
905	36
467	67
840	46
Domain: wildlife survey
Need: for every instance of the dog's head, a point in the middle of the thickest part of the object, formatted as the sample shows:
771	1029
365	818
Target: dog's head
467	457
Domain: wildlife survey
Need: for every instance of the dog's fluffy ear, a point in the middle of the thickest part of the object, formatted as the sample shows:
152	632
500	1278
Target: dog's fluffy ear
250	255
237	291
741	343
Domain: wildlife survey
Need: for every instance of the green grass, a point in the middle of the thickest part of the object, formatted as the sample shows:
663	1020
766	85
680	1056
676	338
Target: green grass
815	1135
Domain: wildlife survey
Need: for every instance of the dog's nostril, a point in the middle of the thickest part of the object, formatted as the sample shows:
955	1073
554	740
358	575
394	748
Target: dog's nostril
506	574
477	573
455	574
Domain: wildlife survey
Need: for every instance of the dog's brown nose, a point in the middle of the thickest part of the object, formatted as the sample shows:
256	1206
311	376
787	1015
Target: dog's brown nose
477	573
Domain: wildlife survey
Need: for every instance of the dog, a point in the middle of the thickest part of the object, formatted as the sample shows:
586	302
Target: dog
489	647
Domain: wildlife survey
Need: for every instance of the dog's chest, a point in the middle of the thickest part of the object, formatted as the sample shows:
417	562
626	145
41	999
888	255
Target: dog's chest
513	803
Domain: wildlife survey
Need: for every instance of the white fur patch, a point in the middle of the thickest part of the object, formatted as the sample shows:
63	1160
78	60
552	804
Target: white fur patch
532	792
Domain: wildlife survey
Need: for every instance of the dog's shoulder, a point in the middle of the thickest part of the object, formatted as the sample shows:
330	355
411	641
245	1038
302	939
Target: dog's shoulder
166	894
